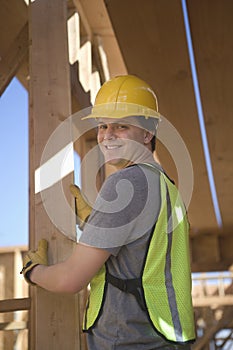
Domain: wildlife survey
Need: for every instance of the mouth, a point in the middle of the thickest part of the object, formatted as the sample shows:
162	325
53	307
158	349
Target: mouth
111	147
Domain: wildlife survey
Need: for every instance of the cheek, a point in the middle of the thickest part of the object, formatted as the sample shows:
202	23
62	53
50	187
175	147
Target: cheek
139	137
99	137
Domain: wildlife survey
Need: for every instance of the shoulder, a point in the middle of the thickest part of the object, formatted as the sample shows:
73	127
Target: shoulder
136	172
134	178
137	182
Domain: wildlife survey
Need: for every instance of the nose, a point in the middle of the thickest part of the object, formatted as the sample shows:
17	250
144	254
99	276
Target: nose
109	133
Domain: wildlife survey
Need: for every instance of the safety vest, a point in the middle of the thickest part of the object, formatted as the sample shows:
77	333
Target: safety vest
165	281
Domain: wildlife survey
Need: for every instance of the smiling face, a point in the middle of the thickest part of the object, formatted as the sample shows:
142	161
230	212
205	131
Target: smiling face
123	141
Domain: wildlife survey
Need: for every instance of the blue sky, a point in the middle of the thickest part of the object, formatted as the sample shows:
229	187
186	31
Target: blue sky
14	165
14	179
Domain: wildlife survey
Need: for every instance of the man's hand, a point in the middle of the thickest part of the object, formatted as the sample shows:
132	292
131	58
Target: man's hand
34	258
83	209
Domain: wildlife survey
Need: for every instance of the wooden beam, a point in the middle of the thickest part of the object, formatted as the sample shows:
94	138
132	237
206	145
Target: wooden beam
84	19
101	60
54	322
13	249
213	300
158	54
96	22
211	251
80	98
22	73
9	292
84	83
10	63
225	321
13	326
9	305
204	266
212	31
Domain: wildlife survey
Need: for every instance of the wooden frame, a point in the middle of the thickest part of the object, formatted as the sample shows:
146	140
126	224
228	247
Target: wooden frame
54	319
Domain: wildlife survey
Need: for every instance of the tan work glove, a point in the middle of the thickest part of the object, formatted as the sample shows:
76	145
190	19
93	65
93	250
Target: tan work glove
34	258
83	209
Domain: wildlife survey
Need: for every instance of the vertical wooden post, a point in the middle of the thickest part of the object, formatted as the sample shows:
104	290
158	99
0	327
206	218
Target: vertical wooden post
54	323
2	285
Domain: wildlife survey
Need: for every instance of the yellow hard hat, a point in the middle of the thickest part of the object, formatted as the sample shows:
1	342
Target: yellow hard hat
125	96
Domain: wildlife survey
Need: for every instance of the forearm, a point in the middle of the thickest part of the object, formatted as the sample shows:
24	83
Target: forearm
54	278
69	276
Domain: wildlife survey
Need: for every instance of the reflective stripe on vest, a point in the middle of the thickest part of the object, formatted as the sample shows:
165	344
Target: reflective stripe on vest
165	277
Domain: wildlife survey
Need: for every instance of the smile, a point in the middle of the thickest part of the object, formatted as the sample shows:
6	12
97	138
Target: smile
112	147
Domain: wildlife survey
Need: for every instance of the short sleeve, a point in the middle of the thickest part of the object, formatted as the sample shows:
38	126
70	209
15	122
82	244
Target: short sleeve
125	209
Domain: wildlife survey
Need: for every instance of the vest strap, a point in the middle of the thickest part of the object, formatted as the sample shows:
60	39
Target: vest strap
132	286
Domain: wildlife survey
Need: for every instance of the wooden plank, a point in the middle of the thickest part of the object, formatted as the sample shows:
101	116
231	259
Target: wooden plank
2	285
9	305
80	98
215	301
208	265
13	326
23	72
13	249
7	261
205	248
101	58
158	53
54	321
212	31
10	63
96	22
13	16
211	251
225	321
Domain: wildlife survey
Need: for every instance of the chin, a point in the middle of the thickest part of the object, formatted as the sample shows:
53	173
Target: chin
118	163
114	161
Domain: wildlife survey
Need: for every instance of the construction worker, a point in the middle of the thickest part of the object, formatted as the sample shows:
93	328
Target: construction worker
134	246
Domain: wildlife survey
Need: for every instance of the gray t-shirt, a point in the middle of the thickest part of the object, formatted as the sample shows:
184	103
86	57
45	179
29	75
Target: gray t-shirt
124	214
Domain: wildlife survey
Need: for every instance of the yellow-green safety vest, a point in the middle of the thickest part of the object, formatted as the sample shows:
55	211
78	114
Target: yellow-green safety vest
165	280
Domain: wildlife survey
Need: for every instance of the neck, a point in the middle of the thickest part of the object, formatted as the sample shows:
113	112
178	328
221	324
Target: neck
146	158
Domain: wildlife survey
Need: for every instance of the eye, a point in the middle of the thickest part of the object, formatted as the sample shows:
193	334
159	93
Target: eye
102	126
122	126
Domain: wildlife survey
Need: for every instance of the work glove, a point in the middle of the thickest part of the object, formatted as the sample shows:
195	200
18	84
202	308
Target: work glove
34	258
83	209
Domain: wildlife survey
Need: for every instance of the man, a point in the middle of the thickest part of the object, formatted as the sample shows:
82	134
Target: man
134	245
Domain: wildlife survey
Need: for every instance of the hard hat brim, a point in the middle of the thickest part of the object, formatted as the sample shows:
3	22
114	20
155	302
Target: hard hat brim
118	110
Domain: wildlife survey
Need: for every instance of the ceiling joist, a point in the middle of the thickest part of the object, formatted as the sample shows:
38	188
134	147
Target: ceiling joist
12	60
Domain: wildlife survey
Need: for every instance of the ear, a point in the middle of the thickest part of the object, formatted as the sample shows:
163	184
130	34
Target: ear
148	136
